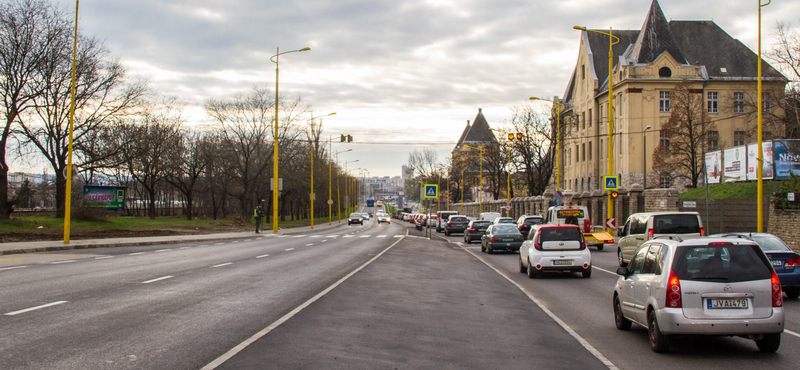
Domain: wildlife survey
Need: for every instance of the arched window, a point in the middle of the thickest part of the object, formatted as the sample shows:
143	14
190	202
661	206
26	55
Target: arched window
664	72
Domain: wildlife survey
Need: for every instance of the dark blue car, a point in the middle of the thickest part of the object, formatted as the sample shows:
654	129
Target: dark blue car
784	260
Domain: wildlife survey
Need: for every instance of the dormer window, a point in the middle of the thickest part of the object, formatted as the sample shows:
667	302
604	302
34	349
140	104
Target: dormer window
664	72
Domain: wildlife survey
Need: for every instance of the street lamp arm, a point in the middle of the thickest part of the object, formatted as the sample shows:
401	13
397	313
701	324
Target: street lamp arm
272	58
600	32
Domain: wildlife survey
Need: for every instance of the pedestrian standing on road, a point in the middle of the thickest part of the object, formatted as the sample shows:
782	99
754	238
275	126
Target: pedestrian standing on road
258	213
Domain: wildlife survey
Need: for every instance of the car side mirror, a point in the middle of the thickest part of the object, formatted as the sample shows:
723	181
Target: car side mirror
621	232
623	271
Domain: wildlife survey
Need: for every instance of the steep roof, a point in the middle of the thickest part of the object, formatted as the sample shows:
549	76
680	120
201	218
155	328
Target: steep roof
656	38
598	45
463	135
479	133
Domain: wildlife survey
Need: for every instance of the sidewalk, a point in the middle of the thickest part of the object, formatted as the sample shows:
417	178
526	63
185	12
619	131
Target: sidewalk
58	245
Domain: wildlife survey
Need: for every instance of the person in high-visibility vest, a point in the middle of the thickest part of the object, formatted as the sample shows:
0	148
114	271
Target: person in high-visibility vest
258	213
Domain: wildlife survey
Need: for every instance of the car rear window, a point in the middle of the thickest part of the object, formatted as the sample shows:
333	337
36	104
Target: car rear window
534	221
771	244
505	229
551	234
481	223
676	224
505	221
725	263
457	219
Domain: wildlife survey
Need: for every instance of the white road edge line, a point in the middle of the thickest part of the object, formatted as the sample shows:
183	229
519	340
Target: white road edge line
290	249
241	346
604	270
182	248
158	279
262	256
223	264
307	245
163	250
12	268
103	257
135	254
553	316
60	262
35	308
791	333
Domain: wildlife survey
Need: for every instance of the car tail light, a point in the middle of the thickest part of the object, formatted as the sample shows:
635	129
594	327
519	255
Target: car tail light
449	224
792	262
495	240
583	243
777	292
587	225
720	243
610	241
673	291
523	226
649	234
537	242
472	230
702	232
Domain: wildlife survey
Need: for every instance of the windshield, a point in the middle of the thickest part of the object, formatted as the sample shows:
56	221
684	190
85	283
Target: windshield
771	244
727	263
676	224
505	221
355	215
505	229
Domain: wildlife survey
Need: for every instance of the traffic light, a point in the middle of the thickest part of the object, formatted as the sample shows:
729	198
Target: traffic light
510	136
519	136
344	138
347	138
614	194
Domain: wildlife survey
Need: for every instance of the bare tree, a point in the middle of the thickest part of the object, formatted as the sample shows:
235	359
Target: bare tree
682	153
29	32
534	153
786	56
188	165
424	162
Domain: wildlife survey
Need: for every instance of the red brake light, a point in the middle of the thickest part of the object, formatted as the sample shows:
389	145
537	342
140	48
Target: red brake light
610	241
673	291
649	234
720	243
792	262
702	232
495	240
449	224
587	225
777	292
537	243
472	230
583	242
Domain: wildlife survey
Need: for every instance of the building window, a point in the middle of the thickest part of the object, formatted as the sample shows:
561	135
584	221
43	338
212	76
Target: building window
601	148
577	153
665	180
738	102
583	152
583	71
663	101
713	140
583	120
767	103
738	138
713	102
590	150
664	72
664	141
590	118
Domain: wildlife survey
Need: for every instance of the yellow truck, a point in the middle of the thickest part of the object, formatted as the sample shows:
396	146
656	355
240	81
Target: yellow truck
578	215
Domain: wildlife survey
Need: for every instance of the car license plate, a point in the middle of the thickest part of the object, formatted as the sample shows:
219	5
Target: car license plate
508	240
714	304
777	263
562	262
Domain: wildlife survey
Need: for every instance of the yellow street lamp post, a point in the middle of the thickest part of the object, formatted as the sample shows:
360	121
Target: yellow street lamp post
68	195
330	180
559	109
275	59
480	178
612	40
760	161
311	144
347	188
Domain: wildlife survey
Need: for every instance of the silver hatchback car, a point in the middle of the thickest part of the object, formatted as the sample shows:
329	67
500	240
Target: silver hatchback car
706	286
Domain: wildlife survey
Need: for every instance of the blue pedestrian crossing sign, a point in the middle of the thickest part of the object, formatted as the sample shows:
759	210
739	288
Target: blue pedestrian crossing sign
431	191
611	182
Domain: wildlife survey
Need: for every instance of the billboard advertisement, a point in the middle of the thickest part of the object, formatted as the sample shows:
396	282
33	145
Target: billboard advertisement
714	167
787	158
752	159
104	197
735	165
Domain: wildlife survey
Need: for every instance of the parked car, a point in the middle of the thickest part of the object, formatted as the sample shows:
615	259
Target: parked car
641	227
475	230
555	248
433	220
488	216
355	218
525	222
503	220
503	236
455	224
784	260
443	216
366	215
705	286
420	221
383	217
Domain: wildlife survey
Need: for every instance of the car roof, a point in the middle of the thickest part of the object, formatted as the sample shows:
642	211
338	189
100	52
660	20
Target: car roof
664	213
706	240
556	226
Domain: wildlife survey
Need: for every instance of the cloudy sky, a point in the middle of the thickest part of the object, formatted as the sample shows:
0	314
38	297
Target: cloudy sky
400	74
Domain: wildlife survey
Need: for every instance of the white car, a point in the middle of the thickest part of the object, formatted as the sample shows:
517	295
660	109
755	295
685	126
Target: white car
555	248
383	217
706	286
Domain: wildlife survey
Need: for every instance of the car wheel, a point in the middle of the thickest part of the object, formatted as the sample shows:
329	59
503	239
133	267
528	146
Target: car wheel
769	343
483	249
446	233
468	240
489	249
522	268
619	258
792	293
619	319
600	247
659	342
587	273
532	274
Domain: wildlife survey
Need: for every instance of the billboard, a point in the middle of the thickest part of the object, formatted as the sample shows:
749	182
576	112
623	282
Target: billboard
752	159
105	197
787	158
735	164
714	167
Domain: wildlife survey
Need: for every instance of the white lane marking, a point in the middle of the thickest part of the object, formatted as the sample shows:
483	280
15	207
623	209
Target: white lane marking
223	264
290	249
308	245
158	279
262	256
381	236
316	236
398	236
324	240
299	236
12	268
234	242
204	245
219	244
791	333
282	236
365	236
35	308
331	236
348	236
103	257
241	346
604	270
60	262
182	248
135	254
163	250
553	316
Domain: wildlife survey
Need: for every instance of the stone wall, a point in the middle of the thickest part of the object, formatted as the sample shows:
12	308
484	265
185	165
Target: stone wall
784	224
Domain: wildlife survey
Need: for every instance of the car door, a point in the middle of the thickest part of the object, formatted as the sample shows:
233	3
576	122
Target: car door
628	296
644	280
624	235
485	236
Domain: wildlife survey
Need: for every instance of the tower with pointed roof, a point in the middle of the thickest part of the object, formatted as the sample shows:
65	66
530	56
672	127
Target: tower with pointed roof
648	63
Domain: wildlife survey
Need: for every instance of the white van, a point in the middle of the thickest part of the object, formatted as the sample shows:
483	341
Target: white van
641	227
488	216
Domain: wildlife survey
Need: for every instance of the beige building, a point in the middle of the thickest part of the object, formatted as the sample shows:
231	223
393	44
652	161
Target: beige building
648	64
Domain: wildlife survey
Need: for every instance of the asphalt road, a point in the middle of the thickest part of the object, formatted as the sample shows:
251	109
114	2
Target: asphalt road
585	306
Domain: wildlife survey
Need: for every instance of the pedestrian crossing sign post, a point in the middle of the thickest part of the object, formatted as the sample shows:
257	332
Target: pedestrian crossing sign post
431	191
611	182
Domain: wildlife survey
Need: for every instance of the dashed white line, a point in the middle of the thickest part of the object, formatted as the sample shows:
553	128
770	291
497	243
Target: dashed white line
60	262
381	236
604	270
316	236
204	245
163	250
365	236
135	254
398	236
262	256
35	308
223	264
103	257
332	236
299	236
791	333
12	268
307	245
290	249
324	240
182	248
348	236
158	279
219	244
